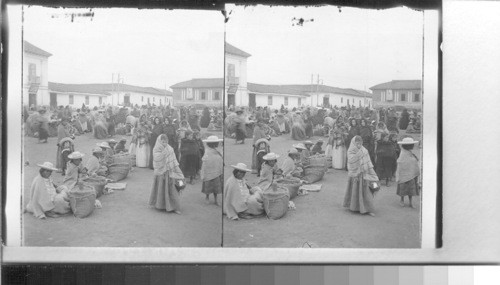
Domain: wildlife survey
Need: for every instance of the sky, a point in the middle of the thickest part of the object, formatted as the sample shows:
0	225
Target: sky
351	48
354	48
151	48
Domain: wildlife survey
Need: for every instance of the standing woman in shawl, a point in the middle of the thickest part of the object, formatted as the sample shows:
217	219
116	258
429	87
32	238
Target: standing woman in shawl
339	153
43	126
201	150
366	133
211	169
142	147
170	131
190	160
164	195
353	131
240	128
407	172
358	197
157	130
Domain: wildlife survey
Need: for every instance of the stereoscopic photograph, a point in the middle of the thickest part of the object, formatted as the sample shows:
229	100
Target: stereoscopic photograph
323	127
122	127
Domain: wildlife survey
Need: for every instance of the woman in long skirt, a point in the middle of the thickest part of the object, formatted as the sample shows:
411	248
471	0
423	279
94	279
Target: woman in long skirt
189	156
164	195
211	169
142	150
386	158
43	127
358	197
407	172
100	129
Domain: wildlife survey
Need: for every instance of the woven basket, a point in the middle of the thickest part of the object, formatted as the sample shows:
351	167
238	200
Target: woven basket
318	159
82	200
276	204
292	186
314	173
98	183
118	172
122	158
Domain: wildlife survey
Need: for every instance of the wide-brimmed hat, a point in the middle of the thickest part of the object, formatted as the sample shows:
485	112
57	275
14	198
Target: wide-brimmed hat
241	166
123	139
112	141
97	150
76	155
293	151
262	140
103	144
407	141
299	145
66	139
271	156
48	166
212	139
320	141
308	142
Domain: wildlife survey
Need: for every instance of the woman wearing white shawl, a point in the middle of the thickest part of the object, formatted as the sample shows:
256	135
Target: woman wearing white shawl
407	172
164	195
239	199
358	197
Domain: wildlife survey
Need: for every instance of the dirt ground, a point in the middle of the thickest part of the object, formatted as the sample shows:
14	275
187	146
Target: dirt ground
126	219
319	219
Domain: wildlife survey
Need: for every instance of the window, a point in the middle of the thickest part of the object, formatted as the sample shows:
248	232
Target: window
402	97
32	73
71	99
230	70
87	99
299	102
269	100
217	95
348	102
286	101
416	97
203	95
100	100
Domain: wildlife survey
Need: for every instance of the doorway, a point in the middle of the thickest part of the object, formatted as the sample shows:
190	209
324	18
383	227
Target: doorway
53	100
230	100
251	101
32	99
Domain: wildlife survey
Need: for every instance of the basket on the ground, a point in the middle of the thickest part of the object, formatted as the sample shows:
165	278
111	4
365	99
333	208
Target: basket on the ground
118	172
318	159
292	185
314	173
82	200
122	158
98	183
276	204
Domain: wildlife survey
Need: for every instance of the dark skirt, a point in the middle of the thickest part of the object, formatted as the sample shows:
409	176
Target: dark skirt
298	133
213	186
189	164
385	167
164	196
43	133
100	131
240	134
409	188
358	197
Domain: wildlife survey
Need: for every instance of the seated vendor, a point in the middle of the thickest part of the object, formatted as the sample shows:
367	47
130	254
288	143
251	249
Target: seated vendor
318	148
240	201
95	165
108	152
112	144
46	199
289	165
304	157
74	170
268	170
120	147
308	145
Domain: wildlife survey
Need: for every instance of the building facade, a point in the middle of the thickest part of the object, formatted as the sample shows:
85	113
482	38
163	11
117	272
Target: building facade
398	94
36	75
236	89
201	91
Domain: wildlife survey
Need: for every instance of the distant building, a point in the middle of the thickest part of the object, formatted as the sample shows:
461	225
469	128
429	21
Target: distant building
236	76
36	75
93	95
202	91
398	94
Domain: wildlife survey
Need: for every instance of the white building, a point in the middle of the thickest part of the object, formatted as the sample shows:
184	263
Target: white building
94	95
36	75
236	76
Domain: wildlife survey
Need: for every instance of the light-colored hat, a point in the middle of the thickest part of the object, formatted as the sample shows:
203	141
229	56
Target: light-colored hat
293	151
320	141
104	144
48	166
76	155
112	141
308	142
97	150
262	140
299	145
212	139
123	139
408	141
271	156
241	166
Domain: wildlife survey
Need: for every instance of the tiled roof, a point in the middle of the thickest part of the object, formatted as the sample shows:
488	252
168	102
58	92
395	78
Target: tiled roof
105	88
236	51
304	89
200	83
399	84
30	48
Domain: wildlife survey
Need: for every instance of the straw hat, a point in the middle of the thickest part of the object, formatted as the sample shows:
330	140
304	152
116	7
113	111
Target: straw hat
97	150
408	141
299	145
320	141
212	139
293	151
264	140
104	144
123	139
241	166
308	142
271	156
48	166
112	141
76	155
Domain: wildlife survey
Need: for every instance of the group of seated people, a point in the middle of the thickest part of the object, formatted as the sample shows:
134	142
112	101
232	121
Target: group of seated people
50	200
243	201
